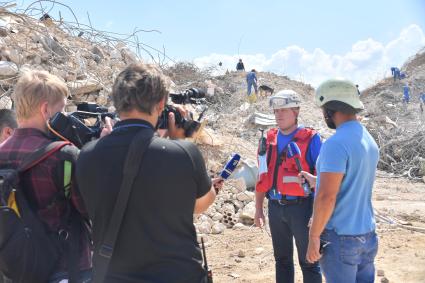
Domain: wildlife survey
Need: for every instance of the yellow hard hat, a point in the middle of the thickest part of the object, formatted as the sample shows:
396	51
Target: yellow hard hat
339	90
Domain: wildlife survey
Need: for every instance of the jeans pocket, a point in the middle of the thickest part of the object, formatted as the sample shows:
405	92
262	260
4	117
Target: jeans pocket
372	249
327	236
350	249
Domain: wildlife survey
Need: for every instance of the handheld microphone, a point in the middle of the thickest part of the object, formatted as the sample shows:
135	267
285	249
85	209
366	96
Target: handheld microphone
295	152
230	166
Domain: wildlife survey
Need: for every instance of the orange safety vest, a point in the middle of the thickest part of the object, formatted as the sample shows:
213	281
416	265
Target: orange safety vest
286	177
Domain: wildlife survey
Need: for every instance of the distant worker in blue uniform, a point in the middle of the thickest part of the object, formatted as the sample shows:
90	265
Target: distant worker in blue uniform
406	93
395	72
240	66
251	80
422	101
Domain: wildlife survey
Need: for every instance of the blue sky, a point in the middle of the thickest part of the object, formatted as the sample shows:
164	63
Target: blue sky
279	36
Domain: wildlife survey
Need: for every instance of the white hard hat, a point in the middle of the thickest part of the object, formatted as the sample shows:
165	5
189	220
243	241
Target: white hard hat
338	90
286	98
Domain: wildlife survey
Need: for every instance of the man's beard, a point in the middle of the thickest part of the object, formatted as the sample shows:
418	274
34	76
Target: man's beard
329	122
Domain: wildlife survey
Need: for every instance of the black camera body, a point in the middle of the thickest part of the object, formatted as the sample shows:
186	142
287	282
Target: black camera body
191	95
73	128
190	126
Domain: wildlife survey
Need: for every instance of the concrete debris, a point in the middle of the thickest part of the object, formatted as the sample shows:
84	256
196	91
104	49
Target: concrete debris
5	102
259	251
229	220
87	66
234	275
80	87
245	196
248	212
240	226
261	119
218	228
204	228
8	69
217	216
244	106
51	44
398	127
96	50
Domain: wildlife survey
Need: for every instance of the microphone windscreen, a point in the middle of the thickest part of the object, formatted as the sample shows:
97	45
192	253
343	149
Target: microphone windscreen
230	166
293	150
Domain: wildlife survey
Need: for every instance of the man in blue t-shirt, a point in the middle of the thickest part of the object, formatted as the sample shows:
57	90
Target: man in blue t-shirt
289	206
343	214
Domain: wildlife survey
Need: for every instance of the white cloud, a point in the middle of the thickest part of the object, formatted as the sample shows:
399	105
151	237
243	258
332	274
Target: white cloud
366	62
109	24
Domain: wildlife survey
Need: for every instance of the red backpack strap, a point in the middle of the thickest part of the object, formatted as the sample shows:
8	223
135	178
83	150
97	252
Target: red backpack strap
41	154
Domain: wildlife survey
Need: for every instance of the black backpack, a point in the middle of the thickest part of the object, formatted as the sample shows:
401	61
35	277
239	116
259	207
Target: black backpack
28	252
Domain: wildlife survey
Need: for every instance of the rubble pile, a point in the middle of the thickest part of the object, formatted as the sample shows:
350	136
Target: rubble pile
398	127
88	62
233	205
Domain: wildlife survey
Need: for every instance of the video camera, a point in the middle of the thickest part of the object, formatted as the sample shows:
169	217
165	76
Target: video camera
81	126
190	126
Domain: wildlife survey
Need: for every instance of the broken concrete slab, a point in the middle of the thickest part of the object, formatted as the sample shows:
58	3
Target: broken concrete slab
261	119
81	87
8	69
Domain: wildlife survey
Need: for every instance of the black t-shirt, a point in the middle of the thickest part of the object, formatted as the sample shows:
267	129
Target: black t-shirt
157	241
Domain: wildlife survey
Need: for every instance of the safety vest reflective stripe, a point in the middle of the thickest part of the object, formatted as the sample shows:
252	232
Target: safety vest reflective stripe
290	179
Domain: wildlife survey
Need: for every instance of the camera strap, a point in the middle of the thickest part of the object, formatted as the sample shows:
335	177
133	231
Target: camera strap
122	127
132	164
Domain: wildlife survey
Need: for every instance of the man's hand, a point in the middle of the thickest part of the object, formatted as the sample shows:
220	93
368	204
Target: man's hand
107	127
259	218
311	179
313	253
217	184
174	132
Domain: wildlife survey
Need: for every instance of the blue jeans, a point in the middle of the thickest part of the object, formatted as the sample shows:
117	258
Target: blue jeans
250	85
84	277
349	259
287	222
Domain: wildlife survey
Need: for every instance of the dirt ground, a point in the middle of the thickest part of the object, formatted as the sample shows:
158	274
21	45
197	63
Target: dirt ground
247	256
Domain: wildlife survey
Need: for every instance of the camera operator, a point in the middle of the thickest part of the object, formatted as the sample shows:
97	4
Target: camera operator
173	131
157	238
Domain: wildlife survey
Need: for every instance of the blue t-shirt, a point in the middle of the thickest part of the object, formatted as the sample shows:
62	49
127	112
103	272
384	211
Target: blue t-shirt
312	153
251	77
353	152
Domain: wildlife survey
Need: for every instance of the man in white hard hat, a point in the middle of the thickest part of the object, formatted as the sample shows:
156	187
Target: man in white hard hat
343	214
290	207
